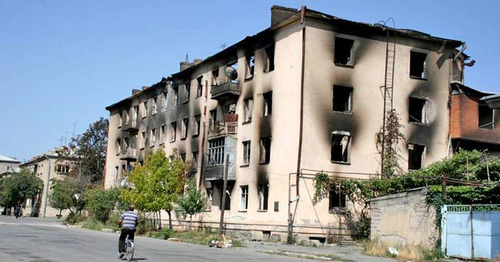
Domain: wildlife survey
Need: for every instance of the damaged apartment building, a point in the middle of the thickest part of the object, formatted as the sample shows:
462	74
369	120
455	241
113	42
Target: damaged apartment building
307	94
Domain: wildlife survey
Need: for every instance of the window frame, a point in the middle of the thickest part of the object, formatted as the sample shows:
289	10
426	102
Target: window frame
267	150
247	110
481	107
424	74
270	52
341	134
246	153
263	194
422	155
173	131
337	56
244	198
250	65
423	110
338	88
268	104
199	88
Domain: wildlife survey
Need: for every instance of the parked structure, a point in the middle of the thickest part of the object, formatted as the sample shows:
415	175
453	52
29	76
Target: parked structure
307	94
48	167
8	165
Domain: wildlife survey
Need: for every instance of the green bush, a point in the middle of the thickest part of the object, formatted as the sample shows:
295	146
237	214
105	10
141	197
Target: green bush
93	224
101	202
144	226
74	218
166	233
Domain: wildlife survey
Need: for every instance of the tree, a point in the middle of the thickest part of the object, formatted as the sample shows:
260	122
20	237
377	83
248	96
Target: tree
192	203
158	184
88	152
63	195
388	145
17	188
101	202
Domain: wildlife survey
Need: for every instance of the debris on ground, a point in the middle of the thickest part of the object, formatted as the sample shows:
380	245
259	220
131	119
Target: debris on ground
393	251
224	243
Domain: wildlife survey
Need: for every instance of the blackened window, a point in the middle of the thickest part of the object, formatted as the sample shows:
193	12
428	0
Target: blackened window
265	150
250	65
343	51
269	58
199	89
268	103
337	199
247	110
173	131
185	126
187	86
418	64
196	127
416	110
342	99
263	196
340	146
216	151
415	156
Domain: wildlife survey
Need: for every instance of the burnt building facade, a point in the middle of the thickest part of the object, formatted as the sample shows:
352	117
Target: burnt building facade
308	94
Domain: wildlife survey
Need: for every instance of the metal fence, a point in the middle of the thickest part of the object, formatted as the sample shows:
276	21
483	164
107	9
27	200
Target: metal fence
471	231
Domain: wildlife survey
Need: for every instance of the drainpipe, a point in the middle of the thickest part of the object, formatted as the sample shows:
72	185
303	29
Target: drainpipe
299	153
45	195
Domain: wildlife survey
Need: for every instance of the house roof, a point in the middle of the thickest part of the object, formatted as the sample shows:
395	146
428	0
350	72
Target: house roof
50	154
8	159
458	88
492	100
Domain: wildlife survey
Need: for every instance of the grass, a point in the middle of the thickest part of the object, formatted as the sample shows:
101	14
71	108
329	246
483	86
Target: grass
196	236
405	253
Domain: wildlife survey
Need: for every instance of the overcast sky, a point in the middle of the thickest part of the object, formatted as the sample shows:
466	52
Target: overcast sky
63	61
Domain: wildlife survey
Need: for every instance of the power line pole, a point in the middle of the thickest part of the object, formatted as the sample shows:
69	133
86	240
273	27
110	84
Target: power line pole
224	188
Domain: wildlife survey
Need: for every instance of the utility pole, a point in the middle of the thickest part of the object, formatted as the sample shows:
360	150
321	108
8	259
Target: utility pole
45	196
223	204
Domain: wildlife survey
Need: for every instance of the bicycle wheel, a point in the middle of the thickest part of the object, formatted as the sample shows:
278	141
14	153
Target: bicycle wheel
130	250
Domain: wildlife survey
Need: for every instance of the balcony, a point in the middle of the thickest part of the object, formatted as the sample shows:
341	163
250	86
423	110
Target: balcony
129	155
225	91
131	126
229	127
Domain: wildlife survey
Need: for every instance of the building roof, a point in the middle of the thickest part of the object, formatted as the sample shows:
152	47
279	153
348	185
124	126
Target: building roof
50	154
295	15
458	88
8	159
493	101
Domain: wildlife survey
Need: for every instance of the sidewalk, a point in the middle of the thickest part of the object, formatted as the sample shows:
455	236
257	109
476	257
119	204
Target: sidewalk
325	253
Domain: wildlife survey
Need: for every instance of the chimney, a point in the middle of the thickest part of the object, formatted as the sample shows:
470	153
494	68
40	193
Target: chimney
185	65
135	91
280	13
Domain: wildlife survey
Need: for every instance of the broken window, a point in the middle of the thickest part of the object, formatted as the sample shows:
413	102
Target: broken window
154	106
184	128
263	196
196	127
485	117
133	140
194	160
187	87
342	99
250	65
126	117
227	205
62	169
269	59
416	110
337	199
153	136
120	120
244	198
162	134
118	146
343	51
163	101
415	156
183	157
199	89
246	153
135	114
144	109
215	75
341	141
210	197
418	64
247	110
117	172
213	116
125	143
175	96
268	103
143	139
265	150
215	151
173	130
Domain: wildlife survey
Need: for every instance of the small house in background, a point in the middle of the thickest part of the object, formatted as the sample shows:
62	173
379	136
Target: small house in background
474	124
8	165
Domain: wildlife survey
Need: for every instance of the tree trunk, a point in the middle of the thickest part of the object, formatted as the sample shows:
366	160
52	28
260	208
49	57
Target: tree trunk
169	218
190	222
159	218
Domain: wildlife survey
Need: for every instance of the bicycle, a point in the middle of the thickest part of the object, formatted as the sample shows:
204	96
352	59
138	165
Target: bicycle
129	249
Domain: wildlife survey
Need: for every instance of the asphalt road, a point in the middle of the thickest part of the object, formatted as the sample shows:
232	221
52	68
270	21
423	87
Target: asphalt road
46	240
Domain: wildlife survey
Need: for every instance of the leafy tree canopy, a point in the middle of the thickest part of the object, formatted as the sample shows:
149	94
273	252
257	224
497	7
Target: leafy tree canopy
64	192
15	189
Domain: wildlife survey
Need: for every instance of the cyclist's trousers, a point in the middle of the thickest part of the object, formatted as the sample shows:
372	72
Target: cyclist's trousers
125	232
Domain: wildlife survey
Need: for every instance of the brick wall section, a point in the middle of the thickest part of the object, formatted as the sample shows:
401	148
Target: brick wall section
464	121
404	219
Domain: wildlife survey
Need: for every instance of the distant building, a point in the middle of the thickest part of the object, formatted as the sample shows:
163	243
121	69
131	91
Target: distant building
8	165
474	125
306	95
47	167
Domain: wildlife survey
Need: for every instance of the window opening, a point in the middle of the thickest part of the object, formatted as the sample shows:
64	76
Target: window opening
162	133
485	117
342	99
185	125
196	127
343	51
244	198
263	196
250	65
337	199
199	89
268	103
216	151
187	87
247	110
415	156
418	64
269	58
265	150
153	136
135	115
173	127
154	106
416	110
145	109
340	146
246	153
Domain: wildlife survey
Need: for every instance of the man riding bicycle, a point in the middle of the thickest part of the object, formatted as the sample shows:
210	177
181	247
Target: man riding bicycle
128	221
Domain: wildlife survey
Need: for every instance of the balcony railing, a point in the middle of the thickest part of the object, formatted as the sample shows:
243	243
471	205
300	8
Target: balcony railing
222	129
131	126
225	90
